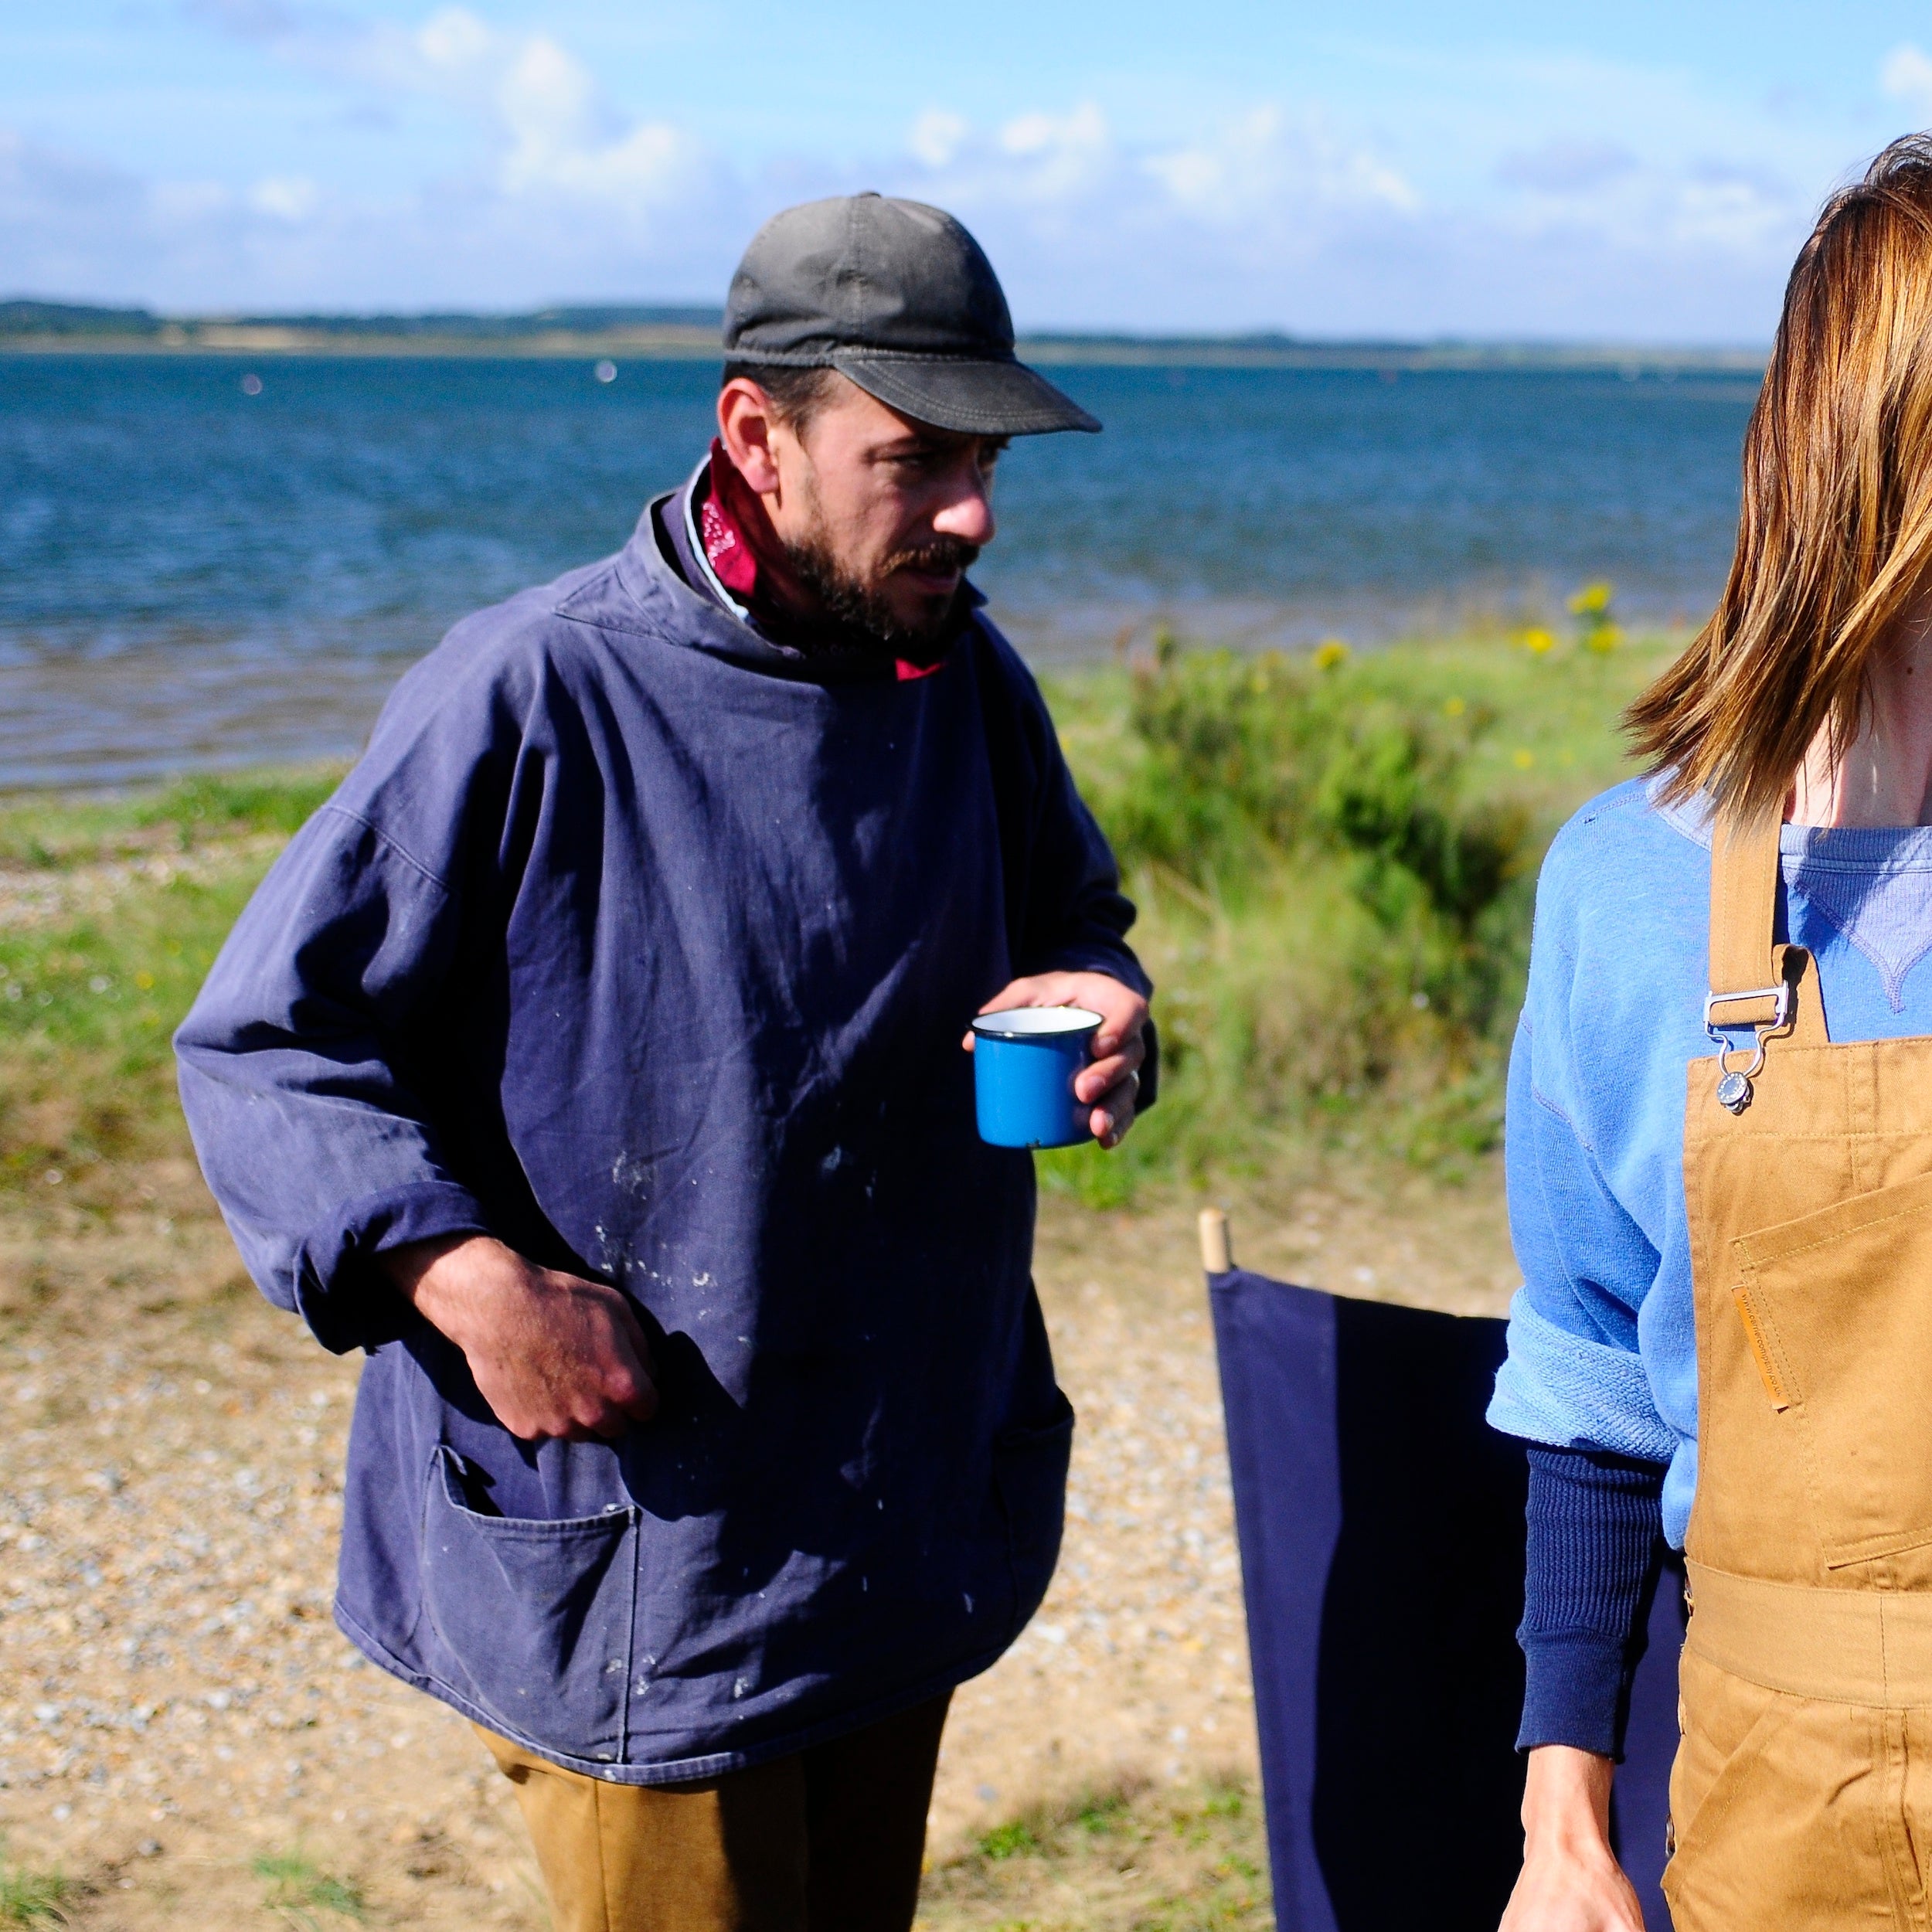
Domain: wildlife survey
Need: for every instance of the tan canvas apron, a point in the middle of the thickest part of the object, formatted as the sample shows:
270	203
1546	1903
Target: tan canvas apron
1802	1794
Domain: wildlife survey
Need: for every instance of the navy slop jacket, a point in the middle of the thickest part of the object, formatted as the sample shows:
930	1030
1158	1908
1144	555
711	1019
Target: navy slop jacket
630	945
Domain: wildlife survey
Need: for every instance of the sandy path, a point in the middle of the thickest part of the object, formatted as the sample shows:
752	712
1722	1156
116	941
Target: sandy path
175	1703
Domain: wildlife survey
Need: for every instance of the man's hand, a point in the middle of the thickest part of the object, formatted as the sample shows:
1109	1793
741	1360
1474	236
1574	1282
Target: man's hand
1571	1881
1110	1085
554	1355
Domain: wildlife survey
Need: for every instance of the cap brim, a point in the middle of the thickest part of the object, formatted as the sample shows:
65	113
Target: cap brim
978	399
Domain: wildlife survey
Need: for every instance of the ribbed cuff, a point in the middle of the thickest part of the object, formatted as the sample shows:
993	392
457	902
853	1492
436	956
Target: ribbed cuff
1575	1692
1595	1526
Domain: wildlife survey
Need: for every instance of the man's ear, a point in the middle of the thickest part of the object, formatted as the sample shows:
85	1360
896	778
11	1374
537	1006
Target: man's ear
746	424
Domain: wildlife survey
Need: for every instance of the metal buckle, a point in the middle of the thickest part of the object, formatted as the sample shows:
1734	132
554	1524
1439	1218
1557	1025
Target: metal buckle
1734	1082
1781	993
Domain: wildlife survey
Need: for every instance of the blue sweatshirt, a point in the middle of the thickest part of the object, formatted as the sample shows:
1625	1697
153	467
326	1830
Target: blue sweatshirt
1602	1344
632	943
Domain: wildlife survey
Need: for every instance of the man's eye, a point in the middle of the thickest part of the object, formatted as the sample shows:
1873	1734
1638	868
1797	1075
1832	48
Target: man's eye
936	462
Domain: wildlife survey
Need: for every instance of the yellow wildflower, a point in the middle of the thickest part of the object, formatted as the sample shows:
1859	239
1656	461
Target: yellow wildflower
1330	652
1538	642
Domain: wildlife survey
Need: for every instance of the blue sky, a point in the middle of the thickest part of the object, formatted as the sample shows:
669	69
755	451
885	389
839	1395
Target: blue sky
1640	171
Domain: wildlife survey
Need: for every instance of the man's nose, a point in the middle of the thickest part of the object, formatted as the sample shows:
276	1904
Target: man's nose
968	514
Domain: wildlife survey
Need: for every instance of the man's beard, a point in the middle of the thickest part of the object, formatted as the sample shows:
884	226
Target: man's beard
859	618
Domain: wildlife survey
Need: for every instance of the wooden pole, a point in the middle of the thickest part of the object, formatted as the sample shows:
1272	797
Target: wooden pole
1217	1254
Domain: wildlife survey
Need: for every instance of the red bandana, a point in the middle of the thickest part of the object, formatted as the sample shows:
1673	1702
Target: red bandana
744	549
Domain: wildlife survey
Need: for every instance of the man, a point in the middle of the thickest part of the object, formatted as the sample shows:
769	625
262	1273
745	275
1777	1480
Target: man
594	1061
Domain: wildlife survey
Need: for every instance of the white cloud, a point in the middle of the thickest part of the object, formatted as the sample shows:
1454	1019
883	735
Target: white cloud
1082	131
546	127
1747	219
936	135
1251	177
1906	75
455	40
553	130
1260	211
1266	165
291	197
1055	159
1741	210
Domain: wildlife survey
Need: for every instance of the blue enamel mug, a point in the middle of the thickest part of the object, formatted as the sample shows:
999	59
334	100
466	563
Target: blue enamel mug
1025	1063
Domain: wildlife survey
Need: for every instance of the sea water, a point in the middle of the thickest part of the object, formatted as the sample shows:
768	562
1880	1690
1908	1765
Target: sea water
200	569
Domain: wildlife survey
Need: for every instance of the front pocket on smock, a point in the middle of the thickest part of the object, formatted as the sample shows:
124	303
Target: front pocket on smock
1838	1306
1029	1471
533	1620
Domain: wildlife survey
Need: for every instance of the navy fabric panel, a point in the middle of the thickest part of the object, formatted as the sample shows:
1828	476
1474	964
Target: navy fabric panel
1278	1352
1642	1806
1381	1526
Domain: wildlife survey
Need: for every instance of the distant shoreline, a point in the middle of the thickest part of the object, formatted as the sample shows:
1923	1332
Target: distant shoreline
28	328
1152	352
661	344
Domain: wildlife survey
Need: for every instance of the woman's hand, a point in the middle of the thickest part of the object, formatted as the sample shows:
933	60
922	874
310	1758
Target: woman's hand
1571	1881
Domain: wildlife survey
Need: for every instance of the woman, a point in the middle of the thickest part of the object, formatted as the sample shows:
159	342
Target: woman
1720	1172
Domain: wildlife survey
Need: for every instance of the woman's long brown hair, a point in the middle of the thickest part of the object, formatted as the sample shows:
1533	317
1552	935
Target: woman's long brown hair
1834	536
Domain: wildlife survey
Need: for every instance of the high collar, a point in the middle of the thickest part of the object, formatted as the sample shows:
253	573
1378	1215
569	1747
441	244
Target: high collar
656	588
718	534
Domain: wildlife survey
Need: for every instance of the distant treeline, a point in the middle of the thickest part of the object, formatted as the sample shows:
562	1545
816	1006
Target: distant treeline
650	330
26	316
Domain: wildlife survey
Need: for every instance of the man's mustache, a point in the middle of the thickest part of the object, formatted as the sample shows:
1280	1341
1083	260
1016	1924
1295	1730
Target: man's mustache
938	558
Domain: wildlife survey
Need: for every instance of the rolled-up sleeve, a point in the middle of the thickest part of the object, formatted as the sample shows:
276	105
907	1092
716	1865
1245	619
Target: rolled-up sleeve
1575	1385
292	1070
1574	1377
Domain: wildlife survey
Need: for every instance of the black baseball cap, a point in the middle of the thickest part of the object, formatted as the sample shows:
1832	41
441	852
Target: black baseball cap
899	298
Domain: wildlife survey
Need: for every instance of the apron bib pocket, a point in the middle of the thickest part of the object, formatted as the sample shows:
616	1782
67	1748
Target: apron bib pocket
1837	1306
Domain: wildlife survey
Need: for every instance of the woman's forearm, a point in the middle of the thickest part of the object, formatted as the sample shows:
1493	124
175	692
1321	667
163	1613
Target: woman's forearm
1593	1548
1571	1881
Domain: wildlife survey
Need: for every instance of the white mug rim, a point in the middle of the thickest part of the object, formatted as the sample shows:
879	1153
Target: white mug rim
1037	1023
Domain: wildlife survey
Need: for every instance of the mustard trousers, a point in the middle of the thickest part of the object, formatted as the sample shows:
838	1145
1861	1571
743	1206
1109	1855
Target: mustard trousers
831	1839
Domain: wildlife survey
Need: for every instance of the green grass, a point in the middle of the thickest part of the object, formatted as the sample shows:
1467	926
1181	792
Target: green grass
52	830
1130	1859
88	1001
1335	871
1011	1840
298	1889
33	1898
1335	867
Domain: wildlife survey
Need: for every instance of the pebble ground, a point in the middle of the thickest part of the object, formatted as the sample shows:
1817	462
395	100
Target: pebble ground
186	1739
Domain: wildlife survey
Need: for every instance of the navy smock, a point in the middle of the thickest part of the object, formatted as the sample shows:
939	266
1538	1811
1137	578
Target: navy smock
630	945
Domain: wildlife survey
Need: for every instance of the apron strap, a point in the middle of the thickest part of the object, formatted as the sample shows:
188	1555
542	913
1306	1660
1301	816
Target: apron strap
1754	982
